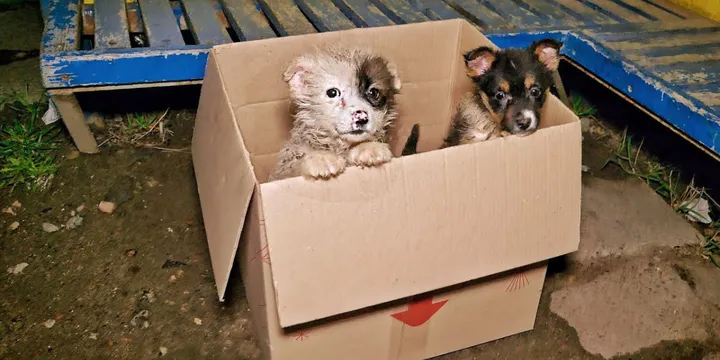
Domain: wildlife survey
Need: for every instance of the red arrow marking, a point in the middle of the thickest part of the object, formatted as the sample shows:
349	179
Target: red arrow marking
419	312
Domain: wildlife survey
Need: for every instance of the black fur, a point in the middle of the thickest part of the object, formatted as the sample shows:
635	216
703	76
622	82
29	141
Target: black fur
374	74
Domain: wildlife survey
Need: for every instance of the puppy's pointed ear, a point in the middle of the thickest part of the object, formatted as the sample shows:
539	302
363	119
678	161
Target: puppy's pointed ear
296	73
479	61
397	82
548	52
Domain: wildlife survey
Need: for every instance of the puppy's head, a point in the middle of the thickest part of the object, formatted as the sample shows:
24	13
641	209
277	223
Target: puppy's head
513	83
348	92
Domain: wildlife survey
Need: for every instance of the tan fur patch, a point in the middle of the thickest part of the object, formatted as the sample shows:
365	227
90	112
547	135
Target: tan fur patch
481	124
529	81
504	86
486	101
548	56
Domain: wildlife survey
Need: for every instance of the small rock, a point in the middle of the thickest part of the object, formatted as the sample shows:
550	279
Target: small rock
9	210
16	204
170	230
80	208
74	222
50	228
197	321
173	278
169	264
93	336
50	323
17	268
14	226
142	315
130	252
151	183
148	295
163	351
107	207
585	168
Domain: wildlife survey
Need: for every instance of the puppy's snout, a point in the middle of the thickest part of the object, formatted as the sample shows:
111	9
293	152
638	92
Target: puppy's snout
360	118
522	121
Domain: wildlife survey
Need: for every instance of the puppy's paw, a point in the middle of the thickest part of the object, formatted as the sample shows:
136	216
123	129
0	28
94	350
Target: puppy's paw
505	133
369	154
322	165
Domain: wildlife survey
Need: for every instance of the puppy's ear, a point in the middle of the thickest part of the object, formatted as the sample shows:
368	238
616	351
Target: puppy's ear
479	61
548	52
397	82
296	73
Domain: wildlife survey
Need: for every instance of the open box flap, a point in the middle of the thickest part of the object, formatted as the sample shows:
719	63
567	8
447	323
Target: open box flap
421	222
223	172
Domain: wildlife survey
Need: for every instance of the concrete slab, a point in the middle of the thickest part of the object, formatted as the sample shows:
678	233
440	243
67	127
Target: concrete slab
634	306
626	217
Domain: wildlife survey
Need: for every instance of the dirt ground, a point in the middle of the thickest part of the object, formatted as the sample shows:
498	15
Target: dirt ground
128	284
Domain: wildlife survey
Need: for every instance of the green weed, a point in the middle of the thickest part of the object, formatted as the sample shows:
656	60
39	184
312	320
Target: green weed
581	108
26	144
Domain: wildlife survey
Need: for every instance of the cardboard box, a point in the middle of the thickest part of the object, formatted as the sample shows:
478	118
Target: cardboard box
427	254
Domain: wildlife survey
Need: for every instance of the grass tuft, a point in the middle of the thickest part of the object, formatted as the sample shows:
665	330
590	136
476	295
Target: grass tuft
581	108
26	144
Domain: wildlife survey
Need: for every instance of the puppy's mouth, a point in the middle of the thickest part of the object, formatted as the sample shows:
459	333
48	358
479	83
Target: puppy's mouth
357	132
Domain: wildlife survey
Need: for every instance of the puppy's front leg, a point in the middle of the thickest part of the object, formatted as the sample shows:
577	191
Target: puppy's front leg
322	164
370	153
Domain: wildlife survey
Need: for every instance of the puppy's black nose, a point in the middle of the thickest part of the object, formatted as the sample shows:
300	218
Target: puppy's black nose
522	121
360	117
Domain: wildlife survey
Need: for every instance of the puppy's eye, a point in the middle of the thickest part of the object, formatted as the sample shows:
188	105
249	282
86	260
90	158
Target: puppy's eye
374	93
332	93
499	95
534	92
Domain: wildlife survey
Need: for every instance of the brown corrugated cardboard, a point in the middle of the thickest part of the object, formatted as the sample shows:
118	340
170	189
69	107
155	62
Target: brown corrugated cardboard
348	254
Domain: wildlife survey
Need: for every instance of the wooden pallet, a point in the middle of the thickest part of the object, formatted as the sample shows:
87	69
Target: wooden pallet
658	55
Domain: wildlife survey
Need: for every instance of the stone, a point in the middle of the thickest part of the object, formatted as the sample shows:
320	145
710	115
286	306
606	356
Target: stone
626	217
14	226
634	306
50	228
107	207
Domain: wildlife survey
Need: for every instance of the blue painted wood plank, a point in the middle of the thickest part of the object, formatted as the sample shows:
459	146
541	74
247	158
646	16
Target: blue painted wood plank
626	11
480	15
202	18
62	31
672	8
324	15
362	13
587	12
704	87
435	10
247	19
674	55
286	17
123	66
558	14
602	7
161	27
519	16
399	11
650	30
111	25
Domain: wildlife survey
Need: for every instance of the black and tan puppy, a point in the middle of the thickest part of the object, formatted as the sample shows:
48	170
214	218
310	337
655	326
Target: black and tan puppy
510	89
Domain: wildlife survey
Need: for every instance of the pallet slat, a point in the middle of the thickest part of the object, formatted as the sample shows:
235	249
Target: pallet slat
247	20
286	17
202	18
587	12
399	11
654	11
160	24
325	15
62	32
362	13
111	25
666	40
520	17
436	10
613	9
482	16
562	16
